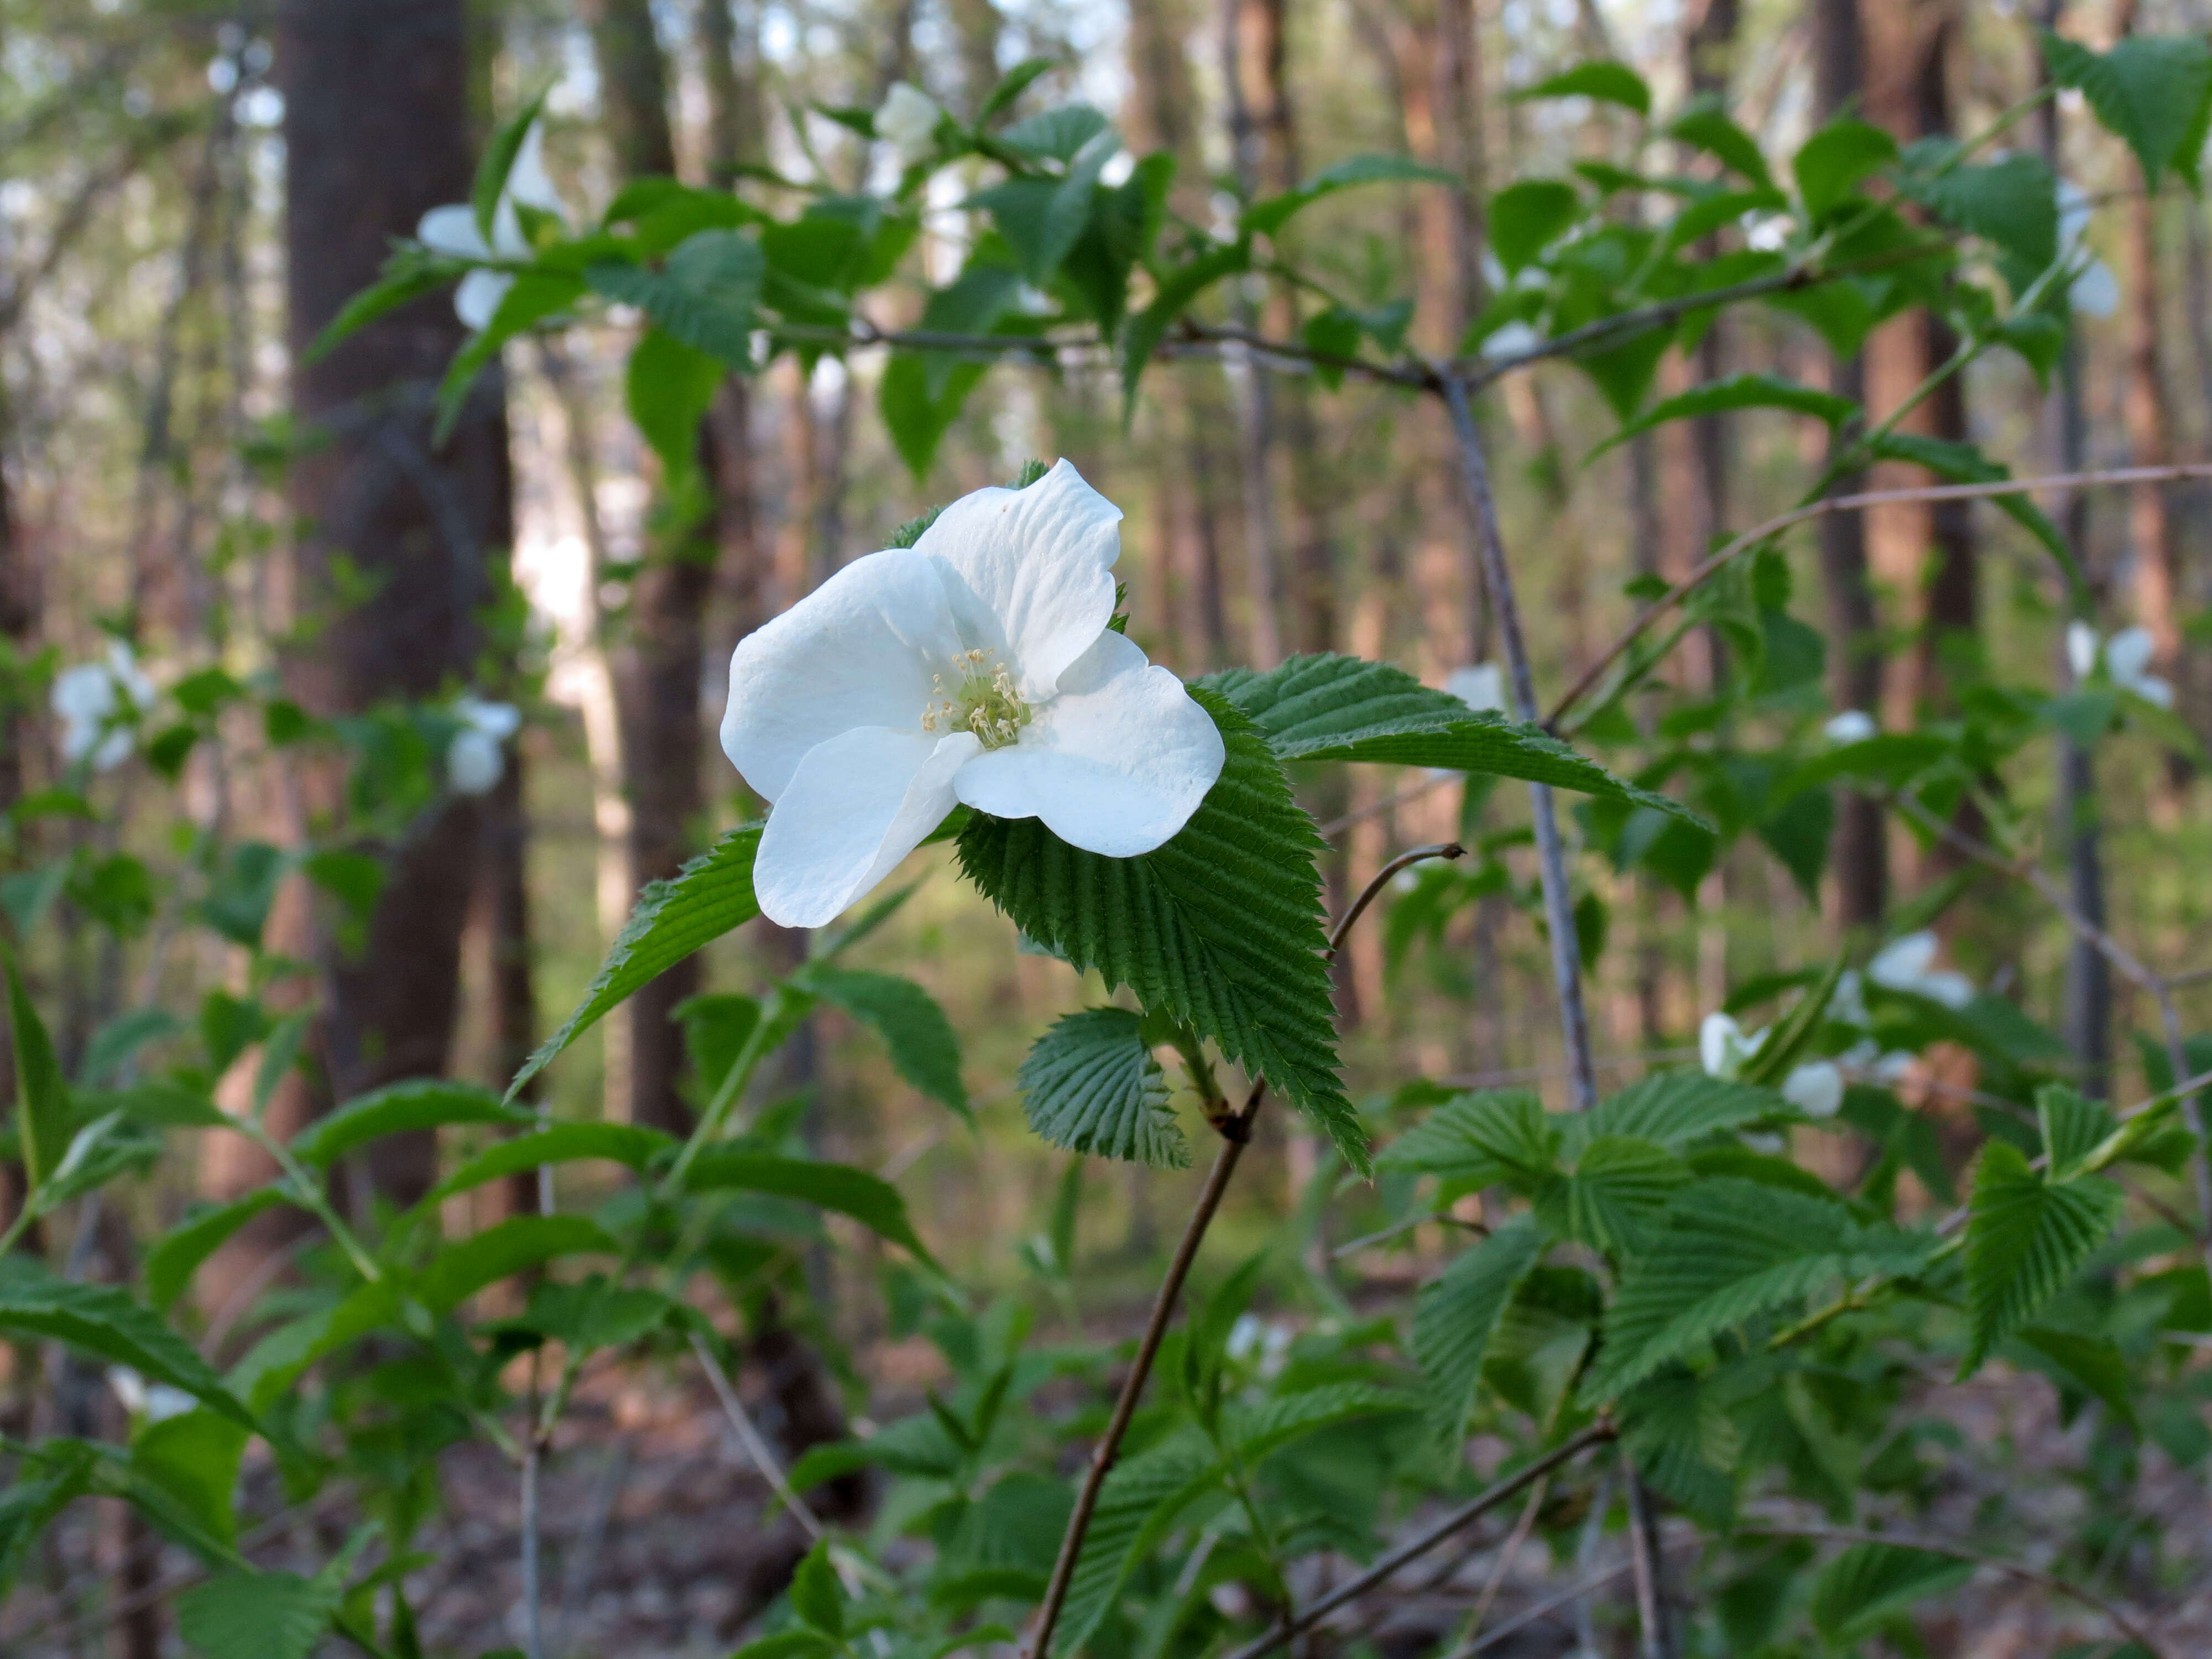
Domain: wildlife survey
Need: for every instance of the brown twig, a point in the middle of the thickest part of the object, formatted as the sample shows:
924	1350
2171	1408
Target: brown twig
1759	534
2121	1620
1297	1625
1368	895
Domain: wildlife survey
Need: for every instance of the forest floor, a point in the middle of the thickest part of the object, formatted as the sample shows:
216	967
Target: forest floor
659	1545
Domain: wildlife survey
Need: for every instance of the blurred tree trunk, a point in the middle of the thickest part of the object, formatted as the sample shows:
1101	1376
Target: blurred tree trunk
2088	1009
658	654
19	617
376	133
1860	848
977	24
1252	40
2153	522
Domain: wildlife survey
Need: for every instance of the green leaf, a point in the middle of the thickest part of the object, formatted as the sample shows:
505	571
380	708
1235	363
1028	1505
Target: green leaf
101	1320
595	1314
668	387
1273	1423
816	1595
2153	92
259	1615
1041	219
1677	1110
1137	1506
923	1048
409	275
1220	929
1738	392
498	161
2093	1365
1617	1189
2026	1239
1268	216
1705	128
513	1246
173	1261
1457	1312
532	297
873	1202
420	1104
2012	204
711	894
1831	163
1870	1583
2074	1129
632	1145
42	1105
1091	1084
922	392
1010	86
1491	1136
704	295
29	1502
1527	217
1602	79
1727	1251
1329	708
194	1458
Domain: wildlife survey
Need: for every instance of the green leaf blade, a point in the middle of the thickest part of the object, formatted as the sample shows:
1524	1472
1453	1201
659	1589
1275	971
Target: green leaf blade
1092	1085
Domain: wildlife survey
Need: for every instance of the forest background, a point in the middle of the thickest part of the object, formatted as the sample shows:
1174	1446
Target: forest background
193	191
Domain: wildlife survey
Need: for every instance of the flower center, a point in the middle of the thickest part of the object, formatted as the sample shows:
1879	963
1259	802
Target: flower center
985	702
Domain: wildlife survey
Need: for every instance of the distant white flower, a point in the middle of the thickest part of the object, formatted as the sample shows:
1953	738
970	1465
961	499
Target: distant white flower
907	123
99	704
1511	340
1847	1004
153	1402
1480	687
2126	657
452	230
975	667
2093	291
1852	726
1909	964
1723	1049
476	759
1816	1088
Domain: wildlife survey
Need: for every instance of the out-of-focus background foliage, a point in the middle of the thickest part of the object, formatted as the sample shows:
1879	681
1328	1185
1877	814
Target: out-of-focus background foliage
171	476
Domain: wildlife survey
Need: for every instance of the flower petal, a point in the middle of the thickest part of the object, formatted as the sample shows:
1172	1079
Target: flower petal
1116	764
2081	649
2128	652
855	806
1902	964
858	651
452	230
1030	571
1815	1088
477	299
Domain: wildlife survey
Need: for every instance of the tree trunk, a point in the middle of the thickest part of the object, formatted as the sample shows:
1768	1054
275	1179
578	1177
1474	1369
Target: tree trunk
1860	849
977	24
657	657
1251	39
376	133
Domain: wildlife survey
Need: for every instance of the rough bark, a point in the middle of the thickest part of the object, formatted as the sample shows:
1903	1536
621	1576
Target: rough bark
1860	849
376	131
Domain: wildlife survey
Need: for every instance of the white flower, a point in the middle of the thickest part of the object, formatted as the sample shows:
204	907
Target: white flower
452	230
2093	290
1723	1049
154	1402
1481	687
1909	964
1847	1005
1511	340
476	759
975	667
1852	726
1816	1088
98	703
907	123
2126	656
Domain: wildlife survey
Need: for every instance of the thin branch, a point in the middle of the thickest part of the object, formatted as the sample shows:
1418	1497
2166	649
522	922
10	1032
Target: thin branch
1550	850
1297	1625
1759	534
1506	1557
749	1436
533	1610
1521	1621
1443	849
1650	1617
2125	1622
1132	1386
